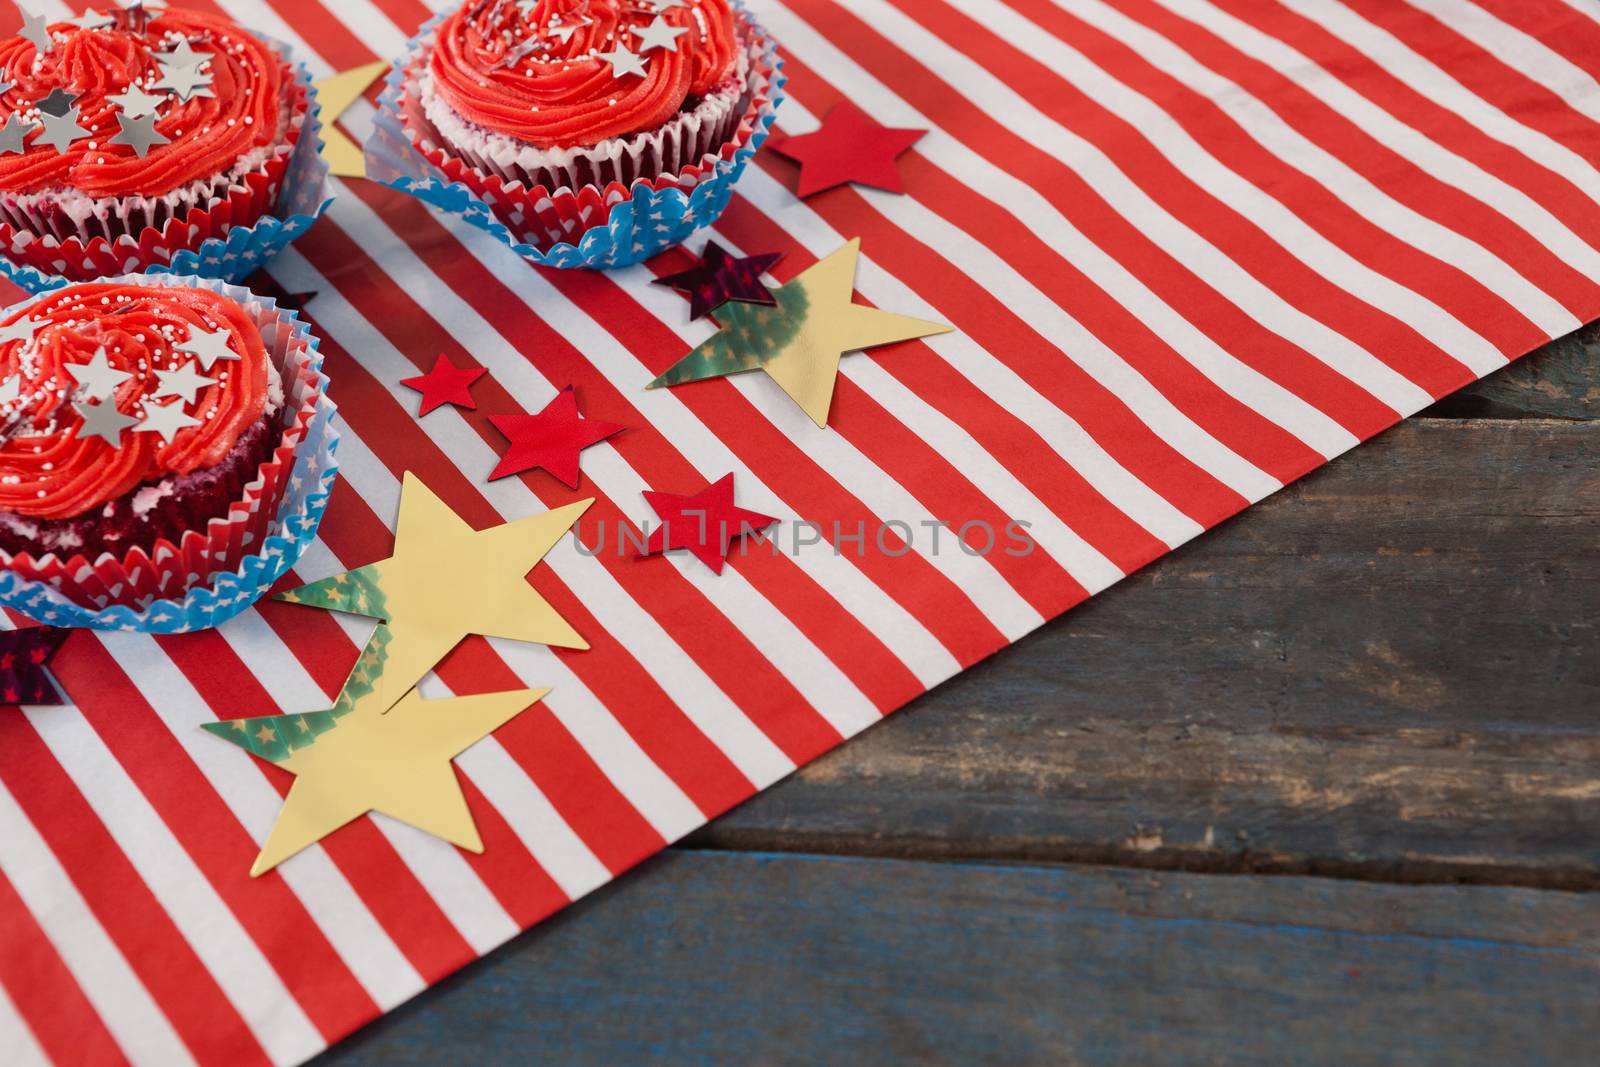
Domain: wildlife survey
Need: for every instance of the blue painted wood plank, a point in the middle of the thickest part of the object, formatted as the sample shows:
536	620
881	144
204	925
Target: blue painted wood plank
717	958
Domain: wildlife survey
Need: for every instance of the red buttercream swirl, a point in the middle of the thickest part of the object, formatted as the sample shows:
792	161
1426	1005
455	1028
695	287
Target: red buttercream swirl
46	470
560	95
208	134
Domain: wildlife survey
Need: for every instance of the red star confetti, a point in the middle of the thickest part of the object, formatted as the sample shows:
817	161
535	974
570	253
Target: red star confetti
23	655
550	440
445	384
848	147
706	524
721	277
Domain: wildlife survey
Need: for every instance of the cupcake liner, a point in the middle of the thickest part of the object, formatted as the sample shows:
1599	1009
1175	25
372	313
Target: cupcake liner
281	199
589	228
214	575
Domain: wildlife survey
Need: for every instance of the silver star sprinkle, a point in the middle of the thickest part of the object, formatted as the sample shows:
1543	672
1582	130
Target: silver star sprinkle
103	421
12	134
11	390
183	382
659	34
623	62
181	55
58	103
136	103
36	29
98	377
516	55
139	134
187	82
21	330
92	20
61	130
166	420
566	32
207	347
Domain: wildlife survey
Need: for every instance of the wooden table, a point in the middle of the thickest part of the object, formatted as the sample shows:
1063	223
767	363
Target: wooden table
1323	787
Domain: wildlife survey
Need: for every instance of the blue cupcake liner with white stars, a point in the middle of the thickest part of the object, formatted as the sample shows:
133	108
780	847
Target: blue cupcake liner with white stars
304	198
645	225
228	594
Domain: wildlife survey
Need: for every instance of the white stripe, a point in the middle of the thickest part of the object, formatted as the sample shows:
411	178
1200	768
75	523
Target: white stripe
1234	377
668	809
824	686
1003	605
1340	179
696	694
901	632
1442	88
439	866
227	951
1063	434
124	1005
16	1038
1253	206
1087	565
363	945
1525	53
535	821
1280	222
1587	8
1021	200
1538	306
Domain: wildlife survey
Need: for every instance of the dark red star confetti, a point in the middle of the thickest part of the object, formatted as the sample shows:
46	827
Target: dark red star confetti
23	655
445	384
550	440
706	524
721	277
848	147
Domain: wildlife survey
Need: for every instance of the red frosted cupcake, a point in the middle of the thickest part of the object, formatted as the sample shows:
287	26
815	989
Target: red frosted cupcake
131	418
529	102
129	137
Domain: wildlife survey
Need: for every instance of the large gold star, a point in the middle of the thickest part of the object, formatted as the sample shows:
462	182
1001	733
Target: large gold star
799	341
335	94
398	764
446	581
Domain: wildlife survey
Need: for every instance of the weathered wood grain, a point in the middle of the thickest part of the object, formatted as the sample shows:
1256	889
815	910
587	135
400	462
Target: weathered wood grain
710	958
1559	381
1389	670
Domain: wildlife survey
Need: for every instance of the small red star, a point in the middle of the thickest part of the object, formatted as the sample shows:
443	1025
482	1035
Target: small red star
550	440
848	147
721	277
706	524
444	384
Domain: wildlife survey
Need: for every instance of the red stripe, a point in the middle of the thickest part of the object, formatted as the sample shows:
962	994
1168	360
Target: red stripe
46	995
1388	339
157	952
1446	284
212	836
1040	362
936	483
763	693
1167	184
1379	85
1558	26
1406	180
1506	88
567	775
375	871
1229	421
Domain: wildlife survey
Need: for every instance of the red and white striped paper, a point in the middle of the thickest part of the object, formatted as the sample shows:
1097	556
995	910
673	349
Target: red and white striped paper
1192	250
